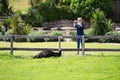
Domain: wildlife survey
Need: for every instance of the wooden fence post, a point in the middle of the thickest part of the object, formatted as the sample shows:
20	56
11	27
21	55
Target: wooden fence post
83	45
59	40
11	45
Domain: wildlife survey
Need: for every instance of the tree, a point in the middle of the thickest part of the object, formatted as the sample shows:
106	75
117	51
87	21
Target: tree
5	10
84	8
117	9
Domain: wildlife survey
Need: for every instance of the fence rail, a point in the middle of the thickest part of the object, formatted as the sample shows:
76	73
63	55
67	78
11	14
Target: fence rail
59	45
63	49
87	37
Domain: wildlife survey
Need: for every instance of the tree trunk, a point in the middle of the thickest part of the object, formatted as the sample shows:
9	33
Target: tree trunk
117	10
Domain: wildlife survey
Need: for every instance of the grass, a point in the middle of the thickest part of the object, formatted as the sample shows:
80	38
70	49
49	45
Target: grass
63	45
21	5
21	66
63	68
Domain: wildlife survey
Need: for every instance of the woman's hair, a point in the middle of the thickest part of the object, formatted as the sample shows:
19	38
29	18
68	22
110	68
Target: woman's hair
79	19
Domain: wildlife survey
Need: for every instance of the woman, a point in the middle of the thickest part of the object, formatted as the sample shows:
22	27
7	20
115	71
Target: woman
80	33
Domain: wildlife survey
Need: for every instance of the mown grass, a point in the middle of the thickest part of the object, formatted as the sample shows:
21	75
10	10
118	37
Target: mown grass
63	68
63	45
21	65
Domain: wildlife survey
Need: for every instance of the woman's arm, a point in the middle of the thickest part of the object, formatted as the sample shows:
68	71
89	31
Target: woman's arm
75	23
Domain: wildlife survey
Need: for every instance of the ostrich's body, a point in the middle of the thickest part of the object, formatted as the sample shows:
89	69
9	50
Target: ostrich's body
48	53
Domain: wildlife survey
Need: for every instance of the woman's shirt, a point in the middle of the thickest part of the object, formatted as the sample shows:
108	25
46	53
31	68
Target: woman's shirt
80	29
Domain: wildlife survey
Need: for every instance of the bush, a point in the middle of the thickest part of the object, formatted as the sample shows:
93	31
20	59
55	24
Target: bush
36	33
112	39
54	33
89	32
8	33
1	35
73	33
100	24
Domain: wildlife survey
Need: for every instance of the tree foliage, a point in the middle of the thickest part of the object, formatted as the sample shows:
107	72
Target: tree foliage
50	10
84	8
4	8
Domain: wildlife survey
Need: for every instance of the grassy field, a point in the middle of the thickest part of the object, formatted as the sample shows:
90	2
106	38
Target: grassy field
69	66
21	5
93	66
63	45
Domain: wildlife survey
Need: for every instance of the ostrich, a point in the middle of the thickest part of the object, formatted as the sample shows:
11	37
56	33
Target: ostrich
48	53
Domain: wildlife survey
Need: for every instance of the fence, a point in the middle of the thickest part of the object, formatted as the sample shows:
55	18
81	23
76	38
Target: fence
59	45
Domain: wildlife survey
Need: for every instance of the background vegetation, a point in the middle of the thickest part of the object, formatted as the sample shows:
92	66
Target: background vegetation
49	10
39	11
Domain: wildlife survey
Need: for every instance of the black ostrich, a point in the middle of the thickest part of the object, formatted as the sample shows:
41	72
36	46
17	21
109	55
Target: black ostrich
47	54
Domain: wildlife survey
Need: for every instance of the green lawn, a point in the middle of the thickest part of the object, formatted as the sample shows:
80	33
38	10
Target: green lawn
69	66
63	68
63	45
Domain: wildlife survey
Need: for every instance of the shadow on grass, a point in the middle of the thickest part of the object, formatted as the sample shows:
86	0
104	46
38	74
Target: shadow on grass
23	57
9	56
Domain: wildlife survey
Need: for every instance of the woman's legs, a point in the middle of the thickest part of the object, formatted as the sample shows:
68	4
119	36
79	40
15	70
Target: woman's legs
80	41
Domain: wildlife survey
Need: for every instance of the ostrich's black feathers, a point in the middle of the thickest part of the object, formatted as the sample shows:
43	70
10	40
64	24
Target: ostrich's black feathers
48	53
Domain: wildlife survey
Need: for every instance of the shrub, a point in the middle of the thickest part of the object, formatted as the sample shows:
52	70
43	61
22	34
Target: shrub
89	32
112	39
54	33
36	33
100	24
1	35
73	33
8	33
33	18
15	24
0	26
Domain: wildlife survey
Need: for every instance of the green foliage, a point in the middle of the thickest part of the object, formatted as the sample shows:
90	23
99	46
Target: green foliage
65	2
73	33
100	24
5	10
50	10
88	32
84	8
15	24
8	33
36	33
0	26
1	35
113	39
33	18
42	11
53	33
